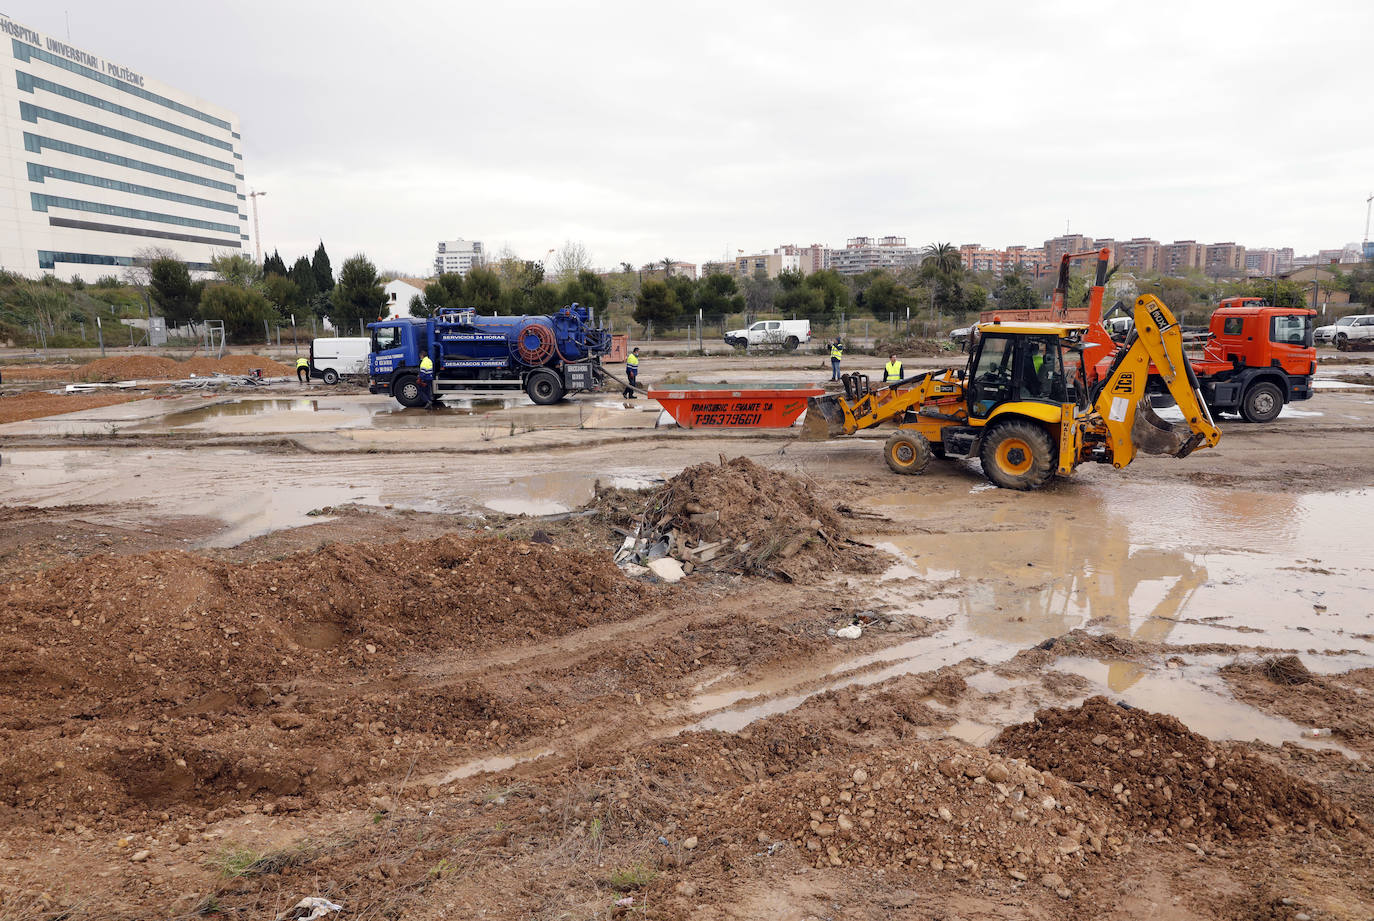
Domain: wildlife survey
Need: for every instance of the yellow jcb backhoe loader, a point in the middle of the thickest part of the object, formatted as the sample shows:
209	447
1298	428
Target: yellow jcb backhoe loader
1023	405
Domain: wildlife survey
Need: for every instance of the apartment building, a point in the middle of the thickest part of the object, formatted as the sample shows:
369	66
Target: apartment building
1178	257
458	256
1140	253
99	161
813	258
1261	262
656	270
1223	259
1000	261
767	265
1067	243
861	254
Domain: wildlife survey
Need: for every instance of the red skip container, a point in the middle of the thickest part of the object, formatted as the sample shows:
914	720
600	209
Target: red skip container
775	407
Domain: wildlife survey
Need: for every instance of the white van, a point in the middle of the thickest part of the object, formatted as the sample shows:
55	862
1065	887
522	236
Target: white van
331	359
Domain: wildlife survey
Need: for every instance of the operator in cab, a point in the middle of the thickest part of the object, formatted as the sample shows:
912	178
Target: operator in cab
892	371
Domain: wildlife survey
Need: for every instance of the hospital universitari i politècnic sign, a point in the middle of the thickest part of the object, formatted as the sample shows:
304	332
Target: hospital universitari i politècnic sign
61	49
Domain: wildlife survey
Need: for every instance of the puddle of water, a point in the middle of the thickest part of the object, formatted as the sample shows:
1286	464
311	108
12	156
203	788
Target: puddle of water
1199	698
193	417
484	766
555	493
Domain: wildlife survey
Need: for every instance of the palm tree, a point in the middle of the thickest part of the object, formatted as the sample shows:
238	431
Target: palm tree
942	263
667	262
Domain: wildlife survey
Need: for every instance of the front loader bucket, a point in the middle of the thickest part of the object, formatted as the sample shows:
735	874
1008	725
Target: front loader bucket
1153	435
824	418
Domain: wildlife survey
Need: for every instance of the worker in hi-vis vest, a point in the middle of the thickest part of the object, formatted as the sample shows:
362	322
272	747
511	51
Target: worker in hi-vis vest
631	374
892	371
426	381
836	355
303	370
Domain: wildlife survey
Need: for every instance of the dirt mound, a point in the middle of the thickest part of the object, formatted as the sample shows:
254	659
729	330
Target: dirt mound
163	679
129	367
1159	775
22	372
904	346
1286	670
921	806
161	368
750	519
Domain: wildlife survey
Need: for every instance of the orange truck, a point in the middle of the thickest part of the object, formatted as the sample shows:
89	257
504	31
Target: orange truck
1254	358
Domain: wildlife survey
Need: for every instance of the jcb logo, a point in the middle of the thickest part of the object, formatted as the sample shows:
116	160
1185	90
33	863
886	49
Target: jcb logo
1126	383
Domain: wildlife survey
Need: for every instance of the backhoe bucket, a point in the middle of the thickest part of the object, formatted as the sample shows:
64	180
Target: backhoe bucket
824	418
1153	435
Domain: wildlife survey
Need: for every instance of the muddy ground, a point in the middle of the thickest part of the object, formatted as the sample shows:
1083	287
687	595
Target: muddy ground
322	647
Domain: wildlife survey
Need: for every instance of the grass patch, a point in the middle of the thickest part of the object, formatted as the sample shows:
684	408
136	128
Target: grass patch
636	876
235	862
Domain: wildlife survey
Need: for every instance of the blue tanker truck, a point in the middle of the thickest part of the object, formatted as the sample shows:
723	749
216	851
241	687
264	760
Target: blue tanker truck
548	356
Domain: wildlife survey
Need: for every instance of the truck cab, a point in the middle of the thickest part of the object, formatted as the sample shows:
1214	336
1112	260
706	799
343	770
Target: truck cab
1258	357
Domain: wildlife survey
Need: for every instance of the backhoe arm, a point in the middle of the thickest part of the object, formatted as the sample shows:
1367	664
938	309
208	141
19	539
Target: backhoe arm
1124	406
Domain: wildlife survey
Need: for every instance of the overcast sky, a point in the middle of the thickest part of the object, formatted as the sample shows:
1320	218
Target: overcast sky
691	130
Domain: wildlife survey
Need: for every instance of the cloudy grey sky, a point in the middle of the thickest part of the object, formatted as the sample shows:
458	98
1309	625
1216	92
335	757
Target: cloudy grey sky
691	130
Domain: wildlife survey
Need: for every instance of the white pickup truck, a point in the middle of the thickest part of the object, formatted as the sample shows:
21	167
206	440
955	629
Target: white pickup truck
775	334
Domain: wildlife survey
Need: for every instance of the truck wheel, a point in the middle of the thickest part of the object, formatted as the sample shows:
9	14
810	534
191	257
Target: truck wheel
544	387
1262	403
1018	455
330	376
907	452
1342	342
791	343
406	390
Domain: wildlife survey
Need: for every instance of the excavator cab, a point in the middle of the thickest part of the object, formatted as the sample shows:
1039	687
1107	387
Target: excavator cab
1009	367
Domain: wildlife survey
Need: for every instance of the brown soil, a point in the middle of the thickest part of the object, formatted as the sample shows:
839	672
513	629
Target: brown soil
157	367
20	406
1161	777
772	522
135	682
1340	703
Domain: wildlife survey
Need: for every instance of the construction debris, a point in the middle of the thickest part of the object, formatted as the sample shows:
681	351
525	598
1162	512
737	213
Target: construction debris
737	516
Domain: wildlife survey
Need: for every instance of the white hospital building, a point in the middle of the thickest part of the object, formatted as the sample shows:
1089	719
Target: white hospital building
98	161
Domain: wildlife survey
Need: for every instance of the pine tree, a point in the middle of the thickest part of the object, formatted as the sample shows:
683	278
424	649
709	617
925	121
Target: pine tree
304	277
273	265
324	273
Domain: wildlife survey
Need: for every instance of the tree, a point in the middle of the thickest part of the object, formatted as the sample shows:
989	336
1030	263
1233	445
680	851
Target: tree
789	279
324	273
830	285
304	278
888	297
358	296
684	289
482	290
242	309
588	289
656	304
717	295
273	265
570	260
1015	292
759	293
800	301
282	293
175	294
444	291
942	264
418	307
238	270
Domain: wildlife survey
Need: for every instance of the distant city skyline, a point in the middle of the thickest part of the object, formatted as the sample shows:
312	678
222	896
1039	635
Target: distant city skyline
376	130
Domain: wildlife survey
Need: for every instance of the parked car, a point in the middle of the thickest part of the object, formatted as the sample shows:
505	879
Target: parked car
785	334
1346	331
961	334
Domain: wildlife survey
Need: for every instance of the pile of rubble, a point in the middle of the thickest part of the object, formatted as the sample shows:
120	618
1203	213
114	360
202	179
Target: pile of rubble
739	517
